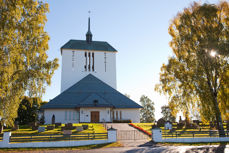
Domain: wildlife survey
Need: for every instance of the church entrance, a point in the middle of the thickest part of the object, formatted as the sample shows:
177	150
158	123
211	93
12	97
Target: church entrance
95	116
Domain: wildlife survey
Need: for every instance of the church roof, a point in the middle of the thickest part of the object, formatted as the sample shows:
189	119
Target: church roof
84	45
91	92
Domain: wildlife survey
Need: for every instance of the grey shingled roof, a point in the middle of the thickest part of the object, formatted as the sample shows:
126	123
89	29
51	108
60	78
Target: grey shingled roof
84	45
86	91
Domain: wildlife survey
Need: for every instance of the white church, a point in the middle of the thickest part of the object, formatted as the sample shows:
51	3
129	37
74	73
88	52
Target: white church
88	86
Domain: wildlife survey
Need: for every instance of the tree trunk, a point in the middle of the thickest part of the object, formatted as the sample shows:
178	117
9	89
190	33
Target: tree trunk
1	127
218	118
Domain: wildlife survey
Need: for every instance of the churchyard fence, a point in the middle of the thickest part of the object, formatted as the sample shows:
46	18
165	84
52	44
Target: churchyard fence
57	140
188	136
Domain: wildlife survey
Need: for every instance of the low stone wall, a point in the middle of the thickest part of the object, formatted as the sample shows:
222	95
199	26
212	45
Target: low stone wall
6	142
157	137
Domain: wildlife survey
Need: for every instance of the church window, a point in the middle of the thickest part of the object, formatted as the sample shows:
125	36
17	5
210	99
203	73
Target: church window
85	66
74	115
120	115
70	115
89	58
105	61
93	62
66	114
113	115
116	115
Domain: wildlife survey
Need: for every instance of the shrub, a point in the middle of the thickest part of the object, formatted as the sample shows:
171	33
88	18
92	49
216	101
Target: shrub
85	127
191	126
50	127
161	122
180	125
57	125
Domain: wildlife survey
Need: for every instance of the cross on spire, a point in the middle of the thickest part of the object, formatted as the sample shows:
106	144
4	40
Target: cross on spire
89	34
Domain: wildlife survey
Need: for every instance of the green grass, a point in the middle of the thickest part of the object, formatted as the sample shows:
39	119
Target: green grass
25	130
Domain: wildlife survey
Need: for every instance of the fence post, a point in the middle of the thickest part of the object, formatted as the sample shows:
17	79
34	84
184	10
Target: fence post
112	135
156	135
6	138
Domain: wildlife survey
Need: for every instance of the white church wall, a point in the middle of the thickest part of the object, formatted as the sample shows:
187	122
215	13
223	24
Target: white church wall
104	114
61	115
73	67
132	114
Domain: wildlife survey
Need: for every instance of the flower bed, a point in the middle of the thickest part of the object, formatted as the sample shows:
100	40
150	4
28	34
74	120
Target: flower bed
141	129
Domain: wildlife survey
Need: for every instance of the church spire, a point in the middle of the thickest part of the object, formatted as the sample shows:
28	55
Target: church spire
89	34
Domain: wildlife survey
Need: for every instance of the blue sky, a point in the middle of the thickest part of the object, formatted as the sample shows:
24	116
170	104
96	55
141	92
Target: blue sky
138	29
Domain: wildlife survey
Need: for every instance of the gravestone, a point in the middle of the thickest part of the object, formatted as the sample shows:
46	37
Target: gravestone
79	128
67	132
85	127
34	127
50	127
168	126
41	129
57	125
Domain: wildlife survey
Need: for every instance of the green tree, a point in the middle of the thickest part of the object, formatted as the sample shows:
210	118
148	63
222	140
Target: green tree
28	110
147	112
197	75
167	114
24	65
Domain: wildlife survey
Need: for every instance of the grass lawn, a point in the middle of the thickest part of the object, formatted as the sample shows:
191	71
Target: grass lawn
26	130
26	134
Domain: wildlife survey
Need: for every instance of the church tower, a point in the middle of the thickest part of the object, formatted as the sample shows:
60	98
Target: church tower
83	57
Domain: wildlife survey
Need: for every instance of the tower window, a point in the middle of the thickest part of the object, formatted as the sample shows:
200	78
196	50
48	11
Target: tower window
93	62
105	61
73	59
89	58
85	66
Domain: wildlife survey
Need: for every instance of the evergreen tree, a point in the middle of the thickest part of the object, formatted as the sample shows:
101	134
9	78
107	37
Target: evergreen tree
28	110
